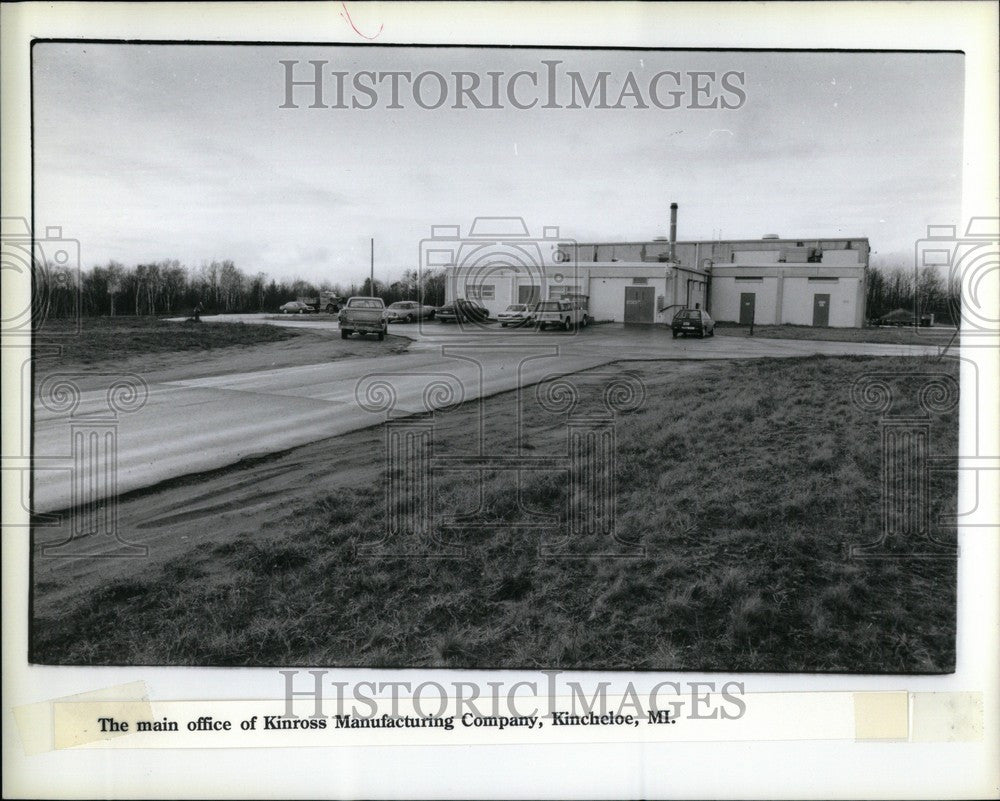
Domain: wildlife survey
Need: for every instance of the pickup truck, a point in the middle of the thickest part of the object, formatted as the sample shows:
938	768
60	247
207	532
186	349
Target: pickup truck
565	314
363	315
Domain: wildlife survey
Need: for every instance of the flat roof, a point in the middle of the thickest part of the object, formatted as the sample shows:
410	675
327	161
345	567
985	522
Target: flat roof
734	241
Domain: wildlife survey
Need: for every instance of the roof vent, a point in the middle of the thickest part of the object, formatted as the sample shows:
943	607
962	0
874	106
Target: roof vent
771	236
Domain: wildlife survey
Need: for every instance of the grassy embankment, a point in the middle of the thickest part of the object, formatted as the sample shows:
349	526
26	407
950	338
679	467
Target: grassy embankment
744	482
906	335
110	339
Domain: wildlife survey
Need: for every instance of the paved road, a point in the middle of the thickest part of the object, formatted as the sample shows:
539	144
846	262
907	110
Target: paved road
191	425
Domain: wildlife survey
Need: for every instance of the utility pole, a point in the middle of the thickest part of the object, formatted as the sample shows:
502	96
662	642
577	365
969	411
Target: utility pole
371	280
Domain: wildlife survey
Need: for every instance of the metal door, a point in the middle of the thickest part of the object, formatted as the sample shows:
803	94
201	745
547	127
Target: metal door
747	302
821	310
639	302
529	293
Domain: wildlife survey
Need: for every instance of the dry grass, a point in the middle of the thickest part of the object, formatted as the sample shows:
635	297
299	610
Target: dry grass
887	335
744	482
114	339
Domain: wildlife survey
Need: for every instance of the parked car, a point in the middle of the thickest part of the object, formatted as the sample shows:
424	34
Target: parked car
363	315
692	321
327	301
406	311
565	314
516	314
897	317
582	302
464	310
296	307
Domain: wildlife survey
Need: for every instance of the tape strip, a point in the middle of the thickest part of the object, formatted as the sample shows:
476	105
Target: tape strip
46	725
123	717
881	716
947	717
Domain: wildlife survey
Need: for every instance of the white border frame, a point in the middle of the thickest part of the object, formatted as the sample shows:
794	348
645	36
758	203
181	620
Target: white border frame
758	770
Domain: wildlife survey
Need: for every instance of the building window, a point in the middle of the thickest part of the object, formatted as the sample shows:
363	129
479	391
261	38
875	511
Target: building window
824	278
640	281
484	292
756	279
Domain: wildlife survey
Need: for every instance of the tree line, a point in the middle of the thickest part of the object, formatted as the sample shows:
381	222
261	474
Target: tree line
169	287
925	292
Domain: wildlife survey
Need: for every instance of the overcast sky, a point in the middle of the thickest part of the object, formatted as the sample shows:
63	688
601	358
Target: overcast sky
152	152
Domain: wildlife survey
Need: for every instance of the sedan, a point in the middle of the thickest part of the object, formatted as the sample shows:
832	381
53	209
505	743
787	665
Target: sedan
296	307
692	321
406	311
515	314
461	310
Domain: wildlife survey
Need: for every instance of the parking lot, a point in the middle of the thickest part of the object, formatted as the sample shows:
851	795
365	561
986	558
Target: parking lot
618	340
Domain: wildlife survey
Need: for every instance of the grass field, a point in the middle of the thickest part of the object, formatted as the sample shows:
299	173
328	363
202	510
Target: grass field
744	482
885	335
110	339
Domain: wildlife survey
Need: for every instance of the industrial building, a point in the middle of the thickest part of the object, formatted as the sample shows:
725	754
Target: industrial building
769	281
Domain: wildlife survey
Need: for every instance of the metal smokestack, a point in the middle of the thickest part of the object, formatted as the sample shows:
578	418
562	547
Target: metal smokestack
673	232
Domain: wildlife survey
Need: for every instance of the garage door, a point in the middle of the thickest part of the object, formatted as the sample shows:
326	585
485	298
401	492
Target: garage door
639	302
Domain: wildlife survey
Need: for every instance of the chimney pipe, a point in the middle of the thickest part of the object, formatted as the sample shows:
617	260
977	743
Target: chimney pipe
673	232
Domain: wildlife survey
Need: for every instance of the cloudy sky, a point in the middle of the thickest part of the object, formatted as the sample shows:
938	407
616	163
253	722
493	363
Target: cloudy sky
152	152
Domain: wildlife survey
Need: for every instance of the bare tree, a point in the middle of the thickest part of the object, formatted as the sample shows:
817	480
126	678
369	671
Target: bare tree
930	290
153	286
174	282
116	275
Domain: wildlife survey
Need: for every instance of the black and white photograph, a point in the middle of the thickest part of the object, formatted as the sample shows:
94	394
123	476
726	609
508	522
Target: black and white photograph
352	353
352	421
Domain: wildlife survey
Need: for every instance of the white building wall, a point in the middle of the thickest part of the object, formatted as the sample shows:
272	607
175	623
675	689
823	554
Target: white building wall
608	282
756	256
785	295
725	299
841	257
696	295
797	308
607	298
800	295
726	292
